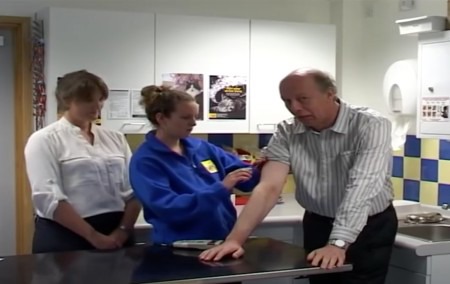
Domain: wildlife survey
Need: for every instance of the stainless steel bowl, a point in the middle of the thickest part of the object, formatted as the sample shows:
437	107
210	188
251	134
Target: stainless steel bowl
424	218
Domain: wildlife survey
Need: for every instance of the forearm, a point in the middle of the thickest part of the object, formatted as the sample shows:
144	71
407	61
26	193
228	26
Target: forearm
262	200
131	213
66	215
350	220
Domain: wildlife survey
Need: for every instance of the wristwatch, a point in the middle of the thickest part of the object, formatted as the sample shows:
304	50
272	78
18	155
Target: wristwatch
339	243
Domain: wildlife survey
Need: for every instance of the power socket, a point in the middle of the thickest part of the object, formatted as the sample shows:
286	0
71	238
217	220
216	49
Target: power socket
406	5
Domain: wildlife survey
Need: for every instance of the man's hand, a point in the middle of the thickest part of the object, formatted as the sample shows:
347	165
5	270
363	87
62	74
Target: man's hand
220	251
329	257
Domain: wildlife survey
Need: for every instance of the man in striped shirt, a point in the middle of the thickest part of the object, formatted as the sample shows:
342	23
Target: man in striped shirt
340	156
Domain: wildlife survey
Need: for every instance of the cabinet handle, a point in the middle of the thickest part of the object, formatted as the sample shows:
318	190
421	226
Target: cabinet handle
141	124
268	126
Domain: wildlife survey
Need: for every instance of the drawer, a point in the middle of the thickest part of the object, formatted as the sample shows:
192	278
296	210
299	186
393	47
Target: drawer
142	235
398	275
407	259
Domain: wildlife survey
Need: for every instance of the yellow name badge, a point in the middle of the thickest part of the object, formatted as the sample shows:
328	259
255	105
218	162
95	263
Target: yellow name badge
209	166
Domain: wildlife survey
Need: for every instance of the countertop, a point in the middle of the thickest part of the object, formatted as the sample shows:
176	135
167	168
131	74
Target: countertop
291	212
157	264
287	212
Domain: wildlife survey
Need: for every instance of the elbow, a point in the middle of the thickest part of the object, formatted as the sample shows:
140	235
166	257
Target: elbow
45	204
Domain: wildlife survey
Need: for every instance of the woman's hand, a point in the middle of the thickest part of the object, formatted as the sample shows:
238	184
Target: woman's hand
103	242
237	176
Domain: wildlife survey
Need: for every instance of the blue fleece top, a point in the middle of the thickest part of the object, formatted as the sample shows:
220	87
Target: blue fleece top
183	196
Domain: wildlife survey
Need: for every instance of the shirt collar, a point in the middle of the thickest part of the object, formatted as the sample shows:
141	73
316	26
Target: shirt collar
339	126
71	126
190	144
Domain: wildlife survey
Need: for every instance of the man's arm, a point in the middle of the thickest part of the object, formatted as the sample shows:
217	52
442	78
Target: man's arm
366	180
262	200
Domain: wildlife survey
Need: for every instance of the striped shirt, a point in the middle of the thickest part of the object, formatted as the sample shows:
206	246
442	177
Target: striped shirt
343	172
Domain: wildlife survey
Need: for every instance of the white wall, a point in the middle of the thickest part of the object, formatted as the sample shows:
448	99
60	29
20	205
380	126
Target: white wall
372	43
7	173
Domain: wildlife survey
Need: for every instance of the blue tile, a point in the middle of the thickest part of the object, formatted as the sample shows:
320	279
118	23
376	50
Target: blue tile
263	140
397	167
411	190
221	139
444	150
429	170
412	146
443	193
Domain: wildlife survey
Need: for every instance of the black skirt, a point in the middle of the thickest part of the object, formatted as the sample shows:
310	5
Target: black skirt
50	236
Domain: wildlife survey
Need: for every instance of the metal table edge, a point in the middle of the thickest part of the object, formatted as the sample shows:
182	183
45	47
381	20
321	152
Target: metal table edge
294	273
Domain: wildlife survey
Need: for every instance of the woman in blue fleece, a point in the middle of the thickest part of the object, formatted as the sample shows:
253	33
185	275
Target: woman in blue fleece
184	183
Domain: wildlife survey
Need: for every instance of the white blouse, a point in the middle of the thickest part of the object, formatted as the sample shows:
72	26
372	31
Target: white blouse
62	165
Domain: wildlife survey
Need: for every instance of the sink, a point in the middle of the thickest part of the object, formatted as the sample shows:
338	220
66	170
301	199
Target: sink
427	232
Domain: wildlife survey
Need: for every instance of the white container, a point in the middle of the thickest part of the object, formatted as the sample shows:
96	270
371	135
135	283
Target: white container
424	24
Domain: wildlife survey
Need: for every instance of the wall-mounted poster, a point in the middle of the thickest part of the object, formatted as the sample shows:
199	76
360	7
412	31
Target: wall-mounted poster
190	83
227	97
435	109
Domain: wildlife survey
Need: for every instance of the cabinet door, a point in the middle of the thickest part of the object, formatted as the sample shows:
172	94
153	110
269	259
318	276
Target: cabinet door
276	49
398	275
203	46
434	89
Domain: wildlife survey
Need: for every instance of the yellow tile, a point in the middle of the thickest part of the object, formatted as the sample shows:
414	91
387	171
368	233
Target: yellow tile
248	142
444	171
398	187
429	192
289	186
400	152
134	140
201	136
411	168
429	149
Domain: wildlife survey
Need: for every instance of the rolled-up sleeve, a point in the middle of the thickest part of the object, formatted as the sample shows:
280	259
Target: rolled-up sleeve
126	191
43	172
278	147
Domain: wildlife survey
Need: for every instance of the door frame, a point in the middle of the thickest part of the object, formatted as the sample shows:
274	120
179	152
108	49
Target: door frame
23	125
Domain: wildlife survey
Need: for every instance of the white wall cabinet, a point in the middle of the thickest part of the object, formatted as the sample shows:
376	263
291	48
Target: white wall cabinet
207	46
434	86
276	49
132	50
117	46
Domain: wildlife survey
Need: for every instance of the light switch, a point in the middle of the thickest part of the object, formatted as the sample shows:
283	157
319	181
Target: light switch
2	41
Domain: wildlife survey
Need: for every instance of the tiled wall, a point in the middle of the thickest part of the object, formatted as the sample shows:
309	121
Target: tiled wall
421	171
250	142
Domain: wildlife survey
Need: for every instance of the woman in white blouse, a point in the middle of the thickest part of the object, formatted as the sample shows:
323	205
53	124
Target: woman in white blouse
78	174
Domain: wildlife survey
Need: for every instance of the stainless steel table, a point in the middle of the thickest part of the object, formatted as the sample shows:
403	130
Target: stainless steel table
264	258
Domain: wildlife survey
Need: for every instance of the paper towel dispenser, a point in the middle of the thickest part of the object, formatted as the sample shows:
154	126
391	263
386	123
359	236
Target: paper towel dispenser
400	87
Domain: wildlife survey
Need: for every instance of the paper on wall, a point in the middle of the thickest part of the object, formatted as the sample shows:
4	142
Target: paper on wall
136	109
119	104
